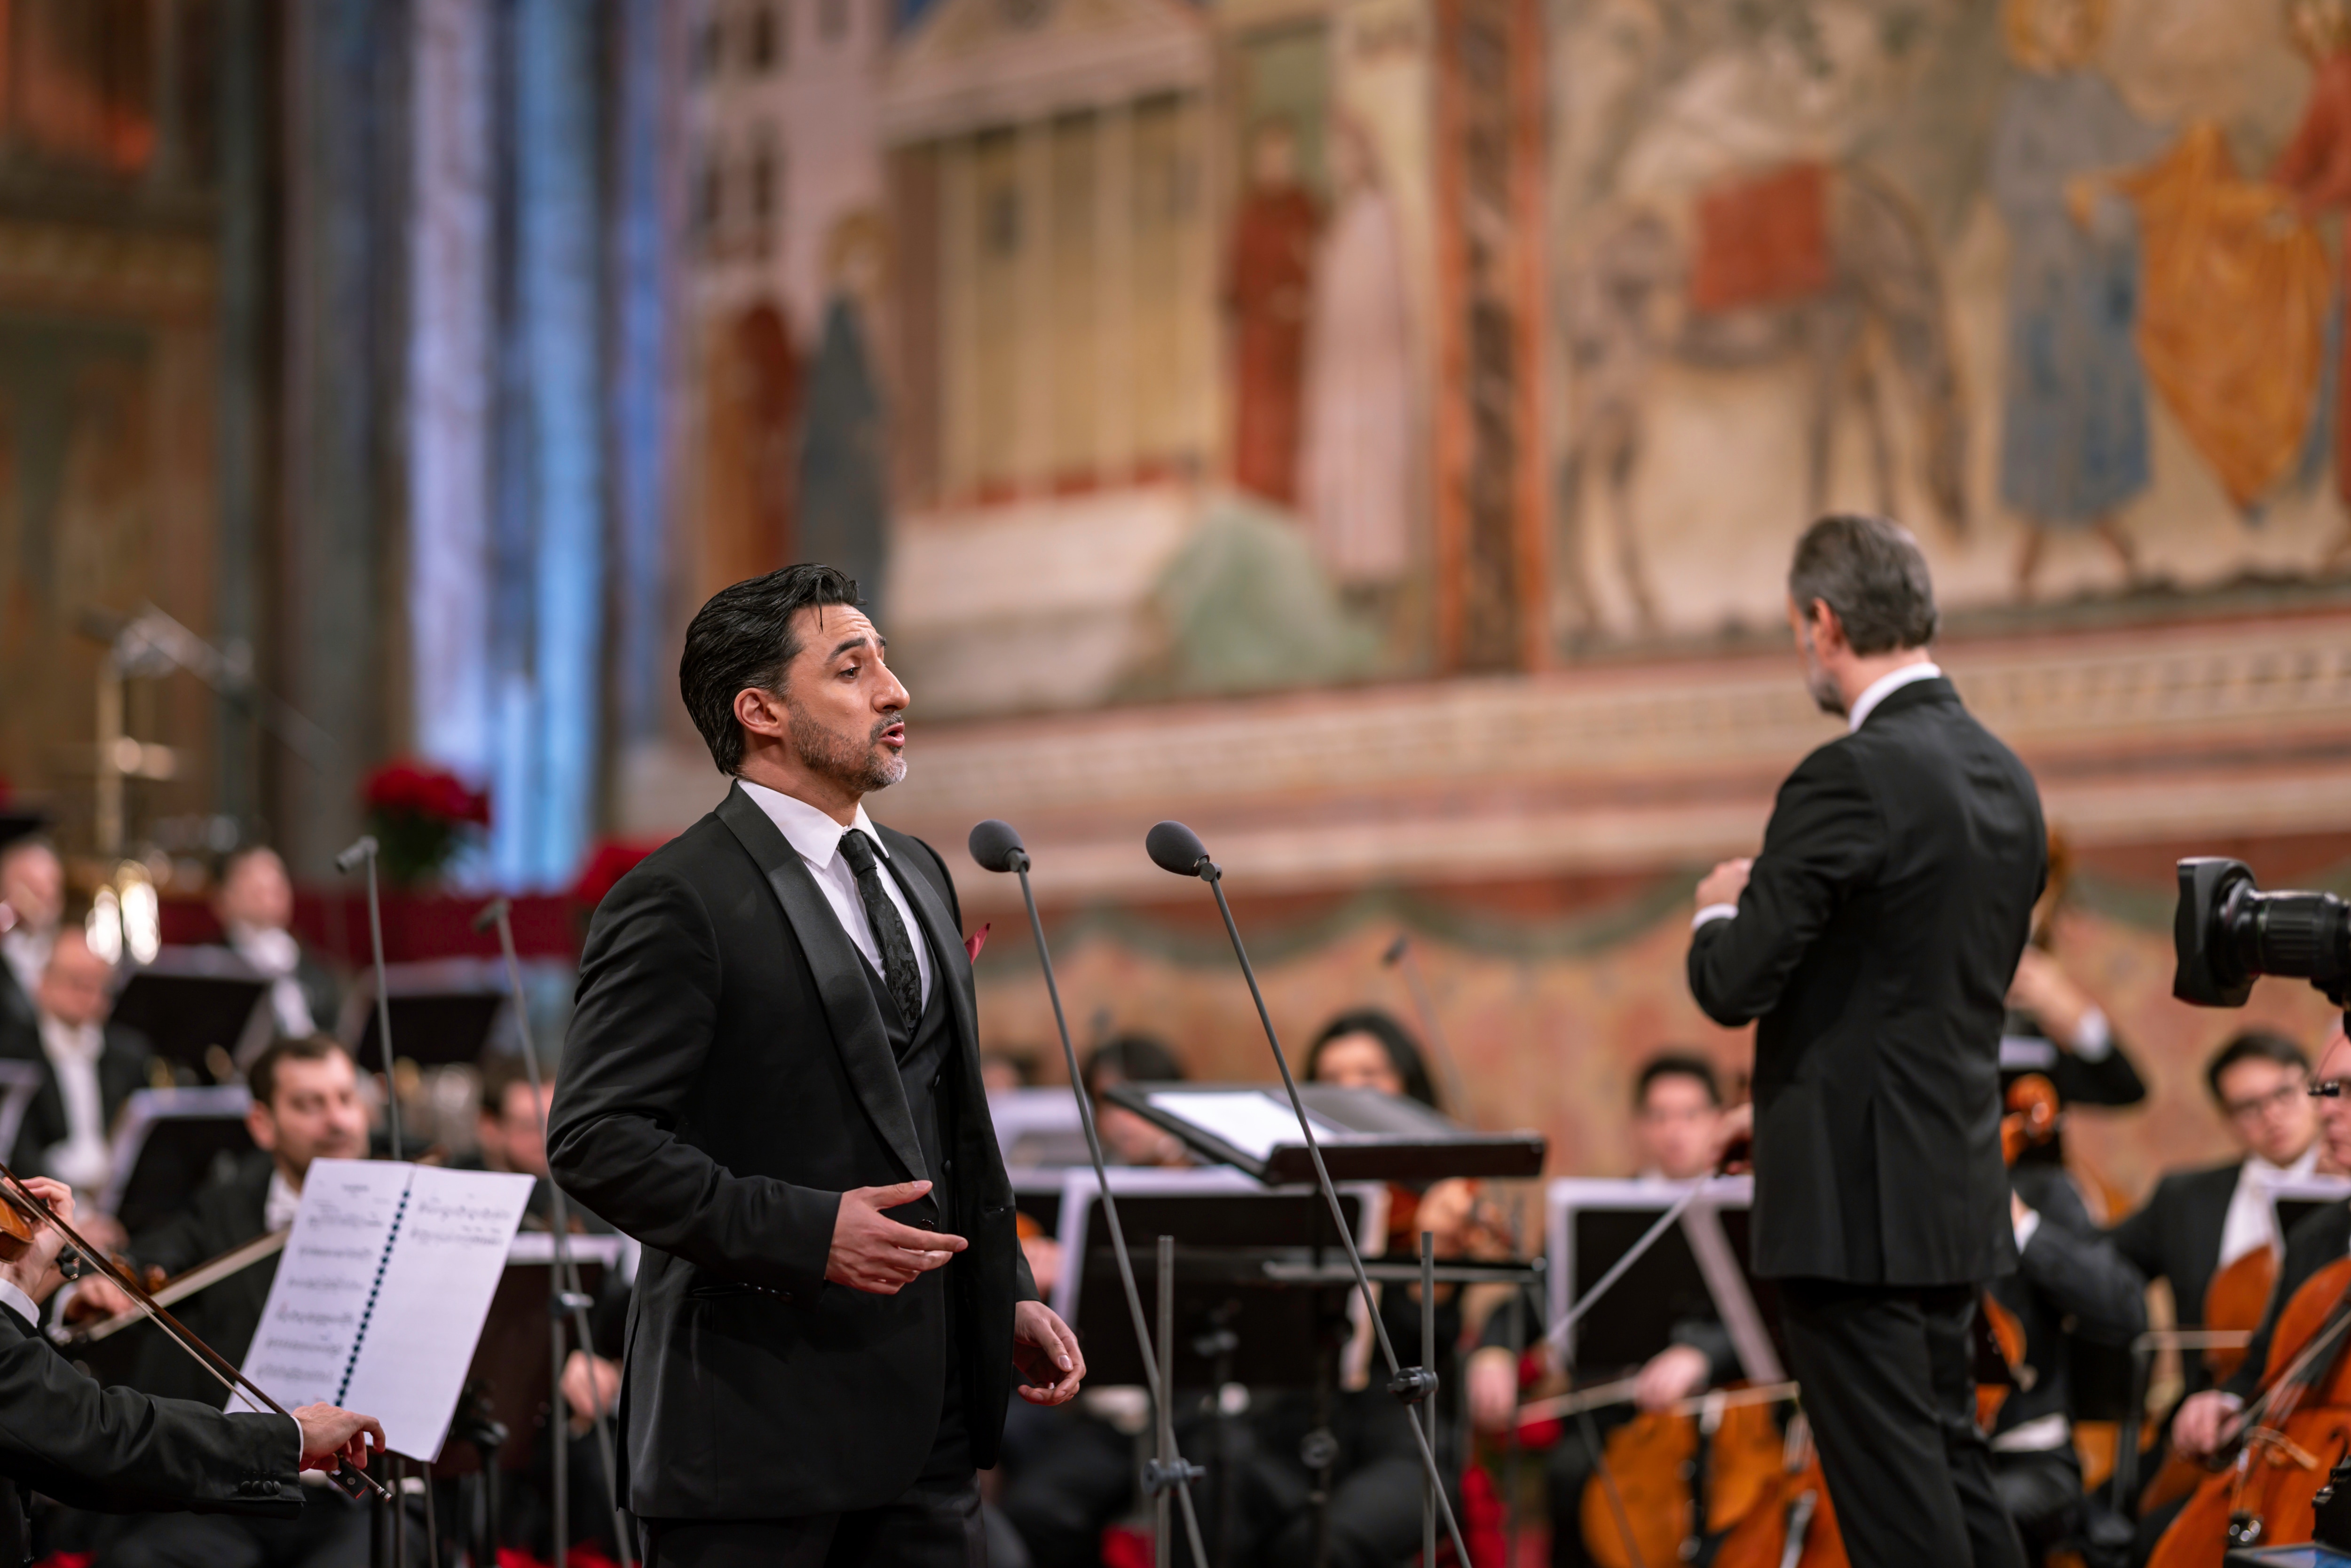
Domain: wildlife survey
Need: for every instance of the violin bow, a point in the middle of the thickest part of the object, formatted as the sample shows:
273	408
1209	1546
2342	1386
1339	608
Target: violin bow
2289	1386
222	1369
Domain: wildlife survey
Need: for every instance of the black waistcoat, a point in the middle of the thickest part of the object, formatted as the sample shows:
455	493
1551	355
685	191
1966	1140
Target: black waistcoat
923	1053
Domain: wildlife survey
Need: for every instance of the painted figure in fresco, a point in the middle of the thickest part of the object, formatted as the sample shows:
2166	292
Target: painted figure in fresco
1356	485
2074	436
2316	167
1633	303
844	515
1270	290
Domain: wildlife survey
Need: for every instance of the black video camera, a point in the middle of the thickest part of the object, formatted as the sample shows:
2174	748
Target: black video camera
2228	933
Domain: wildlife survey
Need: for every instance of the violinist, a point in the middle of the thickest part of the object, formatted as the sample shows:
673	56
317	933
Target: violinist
90	1065
2219	1220
2070	1280
113	1450
305	1107
253	901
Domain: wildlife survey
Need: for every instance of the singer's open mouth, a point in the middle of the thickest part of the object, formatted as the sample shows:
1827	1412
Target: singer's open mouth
894	737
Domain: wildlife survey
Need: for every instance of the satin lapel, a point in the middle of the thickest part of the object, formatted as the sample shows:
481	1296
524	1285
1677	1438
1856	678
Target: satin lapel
840	979
946	942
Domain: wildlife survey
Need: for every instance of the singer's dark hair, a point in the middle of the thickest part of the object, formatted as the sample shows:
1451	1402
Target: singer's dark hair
1677	1064
741	638
2253	1045
1131	1058
1871	573
1403	1051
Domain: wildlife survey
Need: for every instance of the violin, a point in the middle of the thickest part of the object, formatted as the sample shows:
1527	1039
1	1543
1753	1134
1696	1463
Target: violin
2286	1440
22	1213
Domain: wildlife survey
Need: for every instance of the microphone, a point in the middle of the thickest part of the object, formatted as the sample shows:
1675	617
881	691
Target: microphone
1176	848
363	848
1173	847
490	913
997	847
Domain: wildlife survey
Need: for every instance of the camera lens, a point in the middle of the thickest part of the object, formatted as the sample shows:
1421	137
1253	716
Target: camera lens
2300	935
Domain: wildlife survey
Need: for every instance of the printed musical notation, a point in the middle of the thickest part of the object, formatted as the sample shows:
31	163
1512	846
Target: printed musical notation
386	1279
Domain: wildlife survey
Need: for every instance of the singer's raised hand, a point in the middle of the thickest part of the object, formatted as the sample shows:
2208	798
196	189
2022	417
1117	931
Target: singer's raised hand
874	1253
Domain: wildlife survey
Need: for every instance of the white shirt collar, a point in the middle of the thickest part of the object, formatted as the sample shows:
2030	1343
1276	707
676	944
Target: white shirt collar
1879	689
282	1204
812	833
2263	1170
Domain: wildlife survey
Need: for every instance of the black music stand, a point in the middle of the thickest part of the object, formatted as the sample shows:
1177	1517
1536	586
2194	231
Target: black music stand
1365	1136
444	1013
167	1143
194	1002
1700	1264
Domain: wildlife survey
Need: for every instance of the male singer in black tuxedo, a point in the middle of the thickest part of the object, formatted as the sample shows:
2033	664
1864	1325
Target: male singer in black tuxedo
772	1081
1873	941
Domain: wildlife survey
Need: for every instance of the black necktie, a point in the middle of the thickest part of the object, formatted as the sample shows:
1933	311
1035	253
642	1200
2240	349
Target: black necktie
898	970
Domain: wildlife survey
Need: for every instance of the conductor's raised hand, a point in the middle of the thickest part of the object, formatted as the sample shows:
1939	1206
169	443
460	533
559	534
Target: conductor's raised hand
1046	1352
1725	883
329	1434
874	1253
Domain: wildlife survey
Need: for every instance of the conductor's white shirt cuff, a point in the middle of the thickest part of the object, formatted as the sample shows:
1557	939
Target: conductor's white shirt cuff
2095	1040
2026	1227
16	1301
1714	912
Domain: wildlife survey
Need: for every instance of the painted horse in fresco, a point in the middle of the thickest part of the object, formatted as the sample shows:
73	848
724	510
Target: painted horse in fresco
1861	293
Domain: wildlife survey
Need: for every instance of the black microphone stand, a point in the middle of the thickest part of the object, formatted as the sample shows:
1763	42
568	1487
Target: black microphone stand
563	1293
997	847
1176	848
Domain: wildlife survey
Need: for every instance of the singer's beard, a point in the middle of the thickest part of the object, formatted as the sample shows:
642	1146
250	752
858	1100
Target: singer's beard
831	755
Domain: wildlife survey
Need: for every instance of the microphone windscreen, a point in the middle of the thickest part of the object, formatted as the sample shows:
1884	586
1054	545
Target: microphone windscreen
1176	848
359	851
489	915
995	845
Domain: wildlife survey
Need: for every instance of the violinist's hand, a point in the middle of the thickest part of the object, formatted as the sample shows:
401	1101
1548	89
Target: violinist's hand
96	1299
1045	1353
1493	1375
1672	1376
328	1435
1725	883
874	1253
590	1384
35	1272
2202	1421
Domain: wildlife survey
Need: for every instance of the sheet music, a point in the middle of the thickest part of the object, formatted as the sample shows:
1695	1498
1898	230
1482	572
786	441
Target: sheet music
385	1283
1252	1123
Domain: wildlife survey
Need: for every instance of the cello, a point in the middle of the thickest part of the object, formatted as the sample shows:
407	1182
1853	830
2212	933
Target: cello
2295	1429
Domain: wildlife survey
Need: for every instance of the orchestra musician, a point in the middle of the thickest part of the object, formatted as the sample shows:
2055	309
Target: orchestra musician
305	1107
254	901
1677	1133
115	1450
772	1081
33	892
1873	941
88	1064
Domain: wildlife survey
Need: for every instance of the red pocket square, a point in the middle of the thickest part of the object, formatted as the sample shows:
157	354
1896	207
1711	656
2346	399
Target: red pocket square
975	941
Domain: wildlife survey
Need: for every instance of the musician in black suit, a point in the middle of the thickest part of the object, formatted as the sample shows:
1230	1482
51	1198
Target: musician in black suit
2198	1222
772	1081
89	1066
253	899
33	890
113	1450
1873	941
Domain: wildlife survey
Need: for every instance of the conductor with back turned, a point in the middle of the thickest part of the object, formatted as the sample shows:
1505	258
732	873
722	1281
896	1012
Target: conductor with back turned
772	1080
1872	941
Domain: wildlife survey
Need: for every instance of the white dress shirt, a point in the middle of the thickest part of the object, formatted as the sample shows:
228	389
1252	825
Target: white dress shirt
28	953
282	1204
818	838
1878	690
81	1161
2252	1216
1863	705
276	955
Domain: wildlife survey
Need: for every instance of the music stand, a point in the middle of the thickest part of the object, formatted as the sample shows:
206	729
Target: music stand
443	1012
1037	1129
1365	1136
2295	1201
167	1143
190	1001
1700	1265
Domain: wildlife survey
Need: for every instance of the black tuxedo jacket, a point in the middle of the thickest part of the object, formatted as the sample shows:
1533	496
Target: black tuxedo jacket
121	1069
2176	1235
116	1451
725	1078
224	1215
2070	1280
1873	948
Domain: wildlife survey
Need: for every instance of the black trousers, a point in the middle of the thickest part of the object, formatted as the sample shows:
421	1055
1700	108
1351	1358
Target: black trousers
1888	1375
930	1525
329	1532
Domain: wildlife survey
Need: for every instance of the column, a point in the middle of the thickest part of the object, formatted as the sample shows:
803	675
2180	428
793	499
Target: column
1033	468
1115	293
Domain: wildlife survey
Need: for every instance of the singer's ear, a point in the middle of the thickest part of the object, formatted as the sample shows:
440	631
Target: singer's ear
761	712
